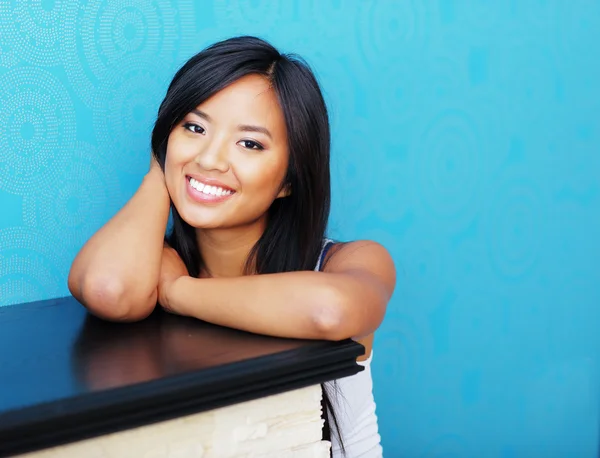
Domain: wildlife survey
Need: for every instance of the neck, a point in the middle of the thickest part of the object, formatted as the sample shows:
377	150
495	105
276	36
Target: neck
225	251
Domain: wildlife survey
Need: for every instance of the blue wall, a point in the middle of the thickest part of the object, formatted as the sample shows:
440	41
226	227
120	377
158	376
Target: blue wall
466	138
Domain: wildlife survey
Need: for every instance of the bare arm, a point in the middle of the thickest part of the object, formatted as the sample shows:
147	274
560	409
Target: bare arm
115	275
348	299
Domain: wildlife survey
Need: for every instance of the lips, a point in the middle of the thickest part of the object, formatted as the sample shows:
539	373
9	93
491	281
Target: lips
207	191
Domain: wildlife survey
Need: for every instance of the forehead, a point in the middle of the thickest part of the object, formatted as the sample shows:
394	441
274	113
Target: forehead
249	100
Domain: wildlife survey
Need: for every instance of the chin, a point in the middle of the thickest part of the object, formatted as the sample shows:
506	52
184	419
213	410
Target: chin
195	218
217	217
201	222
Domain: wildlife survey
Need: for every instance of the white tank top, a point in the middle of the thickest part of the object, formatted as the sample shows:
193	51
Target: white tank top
354	407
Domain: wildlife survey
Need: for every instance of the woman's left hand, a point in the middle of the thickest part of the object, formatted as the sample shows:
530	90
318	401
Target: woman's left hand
171	268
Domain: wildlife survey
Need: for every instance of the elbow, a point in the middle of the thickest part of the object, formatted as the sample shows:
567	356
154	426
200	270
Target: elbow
109	299
329	319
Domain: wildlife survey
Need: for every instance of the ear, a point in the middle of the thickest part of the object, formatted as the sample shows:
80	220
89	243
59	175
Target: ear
285	191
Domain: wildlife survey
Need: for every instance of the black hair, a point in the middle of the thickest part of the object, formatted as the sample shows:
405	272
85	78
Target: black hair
296	224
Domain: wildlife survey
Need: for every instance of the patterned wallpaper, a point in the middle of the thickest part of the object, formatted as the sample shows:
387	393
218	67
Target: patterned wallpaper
466	136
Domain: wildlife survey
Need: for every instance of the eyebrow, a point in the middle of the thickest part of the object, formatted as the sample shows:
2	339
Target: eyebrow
201	114
262	130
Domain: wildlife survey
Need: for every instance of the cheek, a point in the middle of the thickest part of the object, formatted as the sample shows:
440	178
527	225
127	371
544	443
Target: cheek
264	178
180	150
174	162
170	175
173	153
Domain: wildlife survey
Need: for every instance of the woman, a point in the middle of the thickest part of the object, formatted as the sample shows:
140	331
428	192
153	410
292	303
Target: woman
241	157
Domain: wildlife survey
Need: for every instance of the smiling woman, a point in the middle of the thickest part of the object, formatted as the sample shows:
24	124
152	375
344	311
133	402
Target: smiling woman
232	161
241	159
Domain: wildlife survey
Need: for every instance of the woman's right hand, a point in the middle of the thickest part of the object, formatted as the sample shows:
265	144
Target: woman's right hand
116	272
155	168
155	173
172	267
154	163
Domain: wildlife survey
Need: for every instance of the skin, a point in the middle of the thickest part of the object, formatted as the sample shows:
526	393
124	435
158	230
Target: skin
209	143
253	164
347	300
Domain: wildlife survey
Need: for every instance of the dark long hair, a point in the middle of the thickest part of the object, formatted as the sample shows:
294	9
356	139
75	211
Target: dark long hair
296	224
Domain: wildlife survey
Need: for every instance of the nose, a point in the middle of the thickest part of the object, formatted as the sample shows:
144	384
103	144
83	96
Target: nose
214	157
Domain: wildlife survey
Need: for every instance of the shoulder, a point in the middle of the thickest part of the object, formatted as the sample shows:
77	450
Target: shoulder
344	252
361	256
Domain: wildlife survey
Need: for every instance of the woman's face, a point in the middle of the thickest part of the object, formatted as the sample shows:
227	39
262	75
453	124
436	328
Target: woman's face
227	159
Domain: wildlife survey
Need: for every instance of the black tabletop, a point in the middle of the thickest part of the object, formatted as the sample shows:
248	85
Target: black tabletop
65	375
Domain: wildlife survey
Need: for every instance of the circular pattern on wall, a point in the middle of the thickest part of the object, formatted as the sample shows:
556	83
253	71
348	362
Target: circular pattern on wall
445	80
392	199
37	122
402	337
34	31
396	92
103	36
341	94
125	113
481	21
29	267
251	16
531	78
420	257
353	184
387	30
480	314
447	164
576	26
321	15
83	198
515	222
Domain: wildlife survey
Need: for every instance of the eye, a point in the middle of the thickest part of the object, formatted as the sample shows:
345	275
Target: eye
250	144
194	128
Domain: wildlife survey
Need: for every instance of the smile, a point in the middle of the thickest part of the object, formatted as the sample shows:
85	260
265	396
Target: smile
207	189
202	192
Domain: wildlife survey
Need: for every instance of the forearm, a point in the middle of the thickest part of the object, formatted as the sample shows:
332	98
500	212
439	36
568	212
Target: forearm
296	304
121	262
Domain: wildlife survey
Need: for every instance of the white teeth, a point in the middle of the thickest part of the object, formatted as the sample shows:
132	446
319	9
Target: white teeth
207	189
196	184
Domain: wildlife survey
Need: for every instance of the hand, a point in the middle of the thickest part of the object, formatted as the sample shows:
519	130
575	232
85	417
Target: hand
154	163
155	170
155	177
171	268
